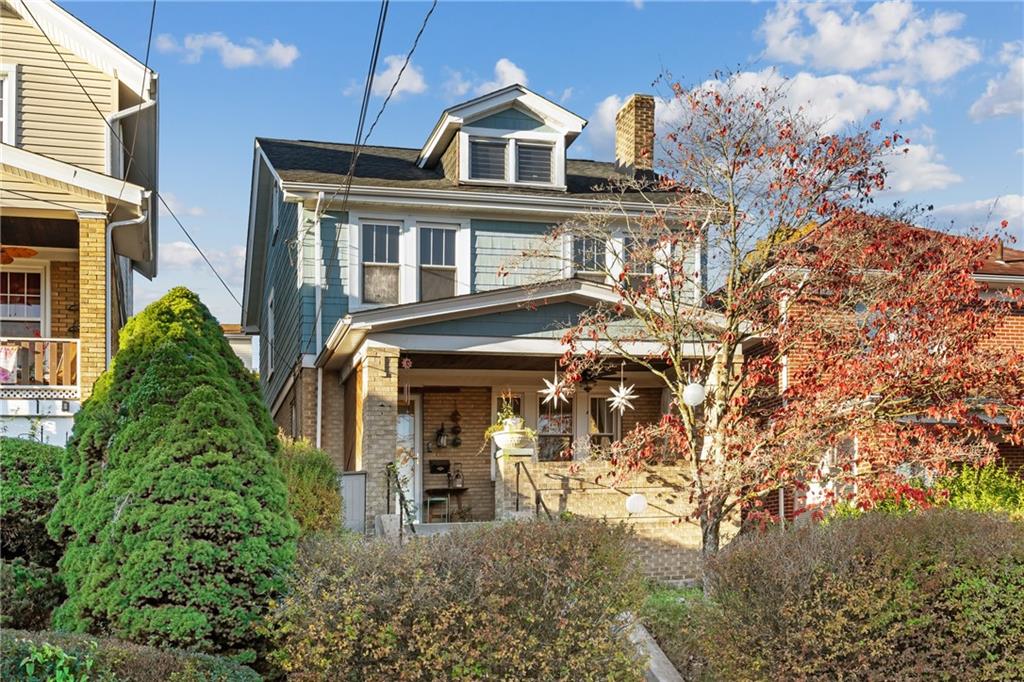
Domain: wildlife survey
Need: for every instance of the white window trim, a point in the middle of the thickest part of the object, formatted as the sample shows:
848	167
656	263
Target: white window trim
270	333
10	96
44	292
408	254
556	140
582	423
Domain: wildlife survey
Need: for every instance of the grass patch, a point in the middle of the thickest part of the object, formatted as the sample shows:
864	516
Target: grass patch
668	614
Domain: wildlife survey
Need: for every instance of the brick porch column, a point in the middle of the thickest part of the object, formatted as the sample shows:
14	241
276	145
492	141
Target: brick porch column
379	414
92	283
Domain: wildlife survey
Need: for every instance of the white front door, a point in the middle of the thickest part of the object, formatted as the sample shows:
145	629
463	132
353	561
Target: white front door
407	458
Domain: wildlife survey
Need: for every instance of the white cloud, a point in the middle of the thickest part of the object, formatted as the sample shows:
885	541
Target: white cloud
919	169
180	208
638	4
180	259
1004	95
566	95
506	72
456	85
252	52
985	214
600	130
412	81
891	40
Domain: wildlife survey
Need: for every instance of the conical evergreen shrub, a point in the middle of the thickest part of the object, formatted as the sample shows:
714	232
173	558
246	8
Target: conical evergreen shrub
172	508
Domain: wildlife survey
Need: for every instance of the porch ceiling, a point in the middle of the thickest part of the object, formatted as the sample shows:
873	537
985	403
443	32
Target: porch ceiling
496	362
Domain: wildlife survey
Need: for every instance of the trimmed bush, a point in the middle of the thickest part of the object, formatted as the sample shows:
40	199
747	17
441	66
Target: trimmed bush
172	505
991	488
929	595
106	659
314	493
515	601
29	477
28	594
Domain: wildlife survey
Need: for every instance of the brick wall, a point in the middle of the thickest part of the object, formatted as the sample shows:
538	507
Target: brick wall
64	299
92	303
667	543
634	133
379	414
473	456
333	426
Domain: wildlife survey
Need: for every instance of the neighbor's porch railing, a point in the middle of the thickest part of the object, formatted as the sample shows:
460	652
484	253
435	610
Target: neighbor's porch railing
39	368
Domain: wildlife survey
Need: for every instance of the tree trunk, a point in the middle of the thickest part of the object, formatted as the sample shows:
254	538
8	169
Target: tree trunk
710	525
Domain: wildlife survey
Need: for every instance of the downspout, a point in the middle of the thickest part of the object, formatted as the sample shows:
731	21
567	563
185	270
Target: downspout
318	283
109	269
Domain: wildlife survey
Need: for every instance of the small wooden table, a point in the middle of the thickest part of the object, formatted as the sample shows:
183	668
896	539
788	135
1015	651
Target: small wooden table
448	493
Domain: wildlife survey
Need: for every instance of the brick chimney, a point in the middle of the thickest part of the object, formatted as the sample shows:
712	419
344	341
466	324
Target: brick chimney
634	134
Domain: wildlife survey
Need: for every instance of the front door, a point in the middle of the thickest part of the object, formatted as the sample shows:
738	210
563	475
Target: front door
407	458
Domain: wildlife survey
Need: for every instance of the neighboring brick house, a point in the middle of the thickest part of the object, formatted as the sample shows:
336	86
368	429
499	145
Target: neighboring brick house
420	333
74	224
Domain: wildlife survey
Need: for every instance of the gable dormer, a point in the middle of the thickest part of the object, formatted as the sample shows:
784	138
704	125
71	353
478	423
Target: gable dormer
511	137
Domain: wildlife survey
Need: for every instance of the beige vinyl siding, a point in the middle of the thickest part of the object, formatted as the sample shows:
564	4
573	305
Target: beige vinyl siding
43	192
54	117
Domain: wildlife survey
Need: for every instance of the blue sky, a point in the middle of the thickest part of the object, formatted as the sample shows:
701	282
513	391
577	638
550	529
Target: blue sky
952	72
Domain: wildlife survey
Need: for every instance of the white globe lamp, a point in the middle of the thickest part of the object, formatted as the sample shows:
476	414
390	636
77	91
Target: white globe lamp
636	503
693	395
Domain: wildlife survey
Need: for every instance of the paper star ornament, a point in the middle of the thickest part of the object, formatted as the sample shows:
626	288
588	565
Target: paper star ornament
554	392
622	398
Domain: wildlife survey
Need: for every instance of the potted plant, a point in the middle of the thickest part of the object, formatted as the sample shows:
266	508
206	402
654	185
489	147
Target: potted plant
509	430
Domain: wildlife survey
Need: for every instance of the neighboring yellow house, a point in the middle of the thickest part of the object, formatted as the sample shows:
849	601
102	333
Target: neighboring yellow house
77	209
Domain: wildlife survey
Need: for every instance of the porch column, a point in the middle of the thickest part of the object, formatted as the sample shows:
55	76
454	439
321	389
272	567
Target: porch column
378	414
92	284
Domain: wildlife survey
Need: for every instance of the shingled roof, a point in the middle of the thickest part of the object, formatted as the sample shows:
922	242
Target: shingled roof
328	162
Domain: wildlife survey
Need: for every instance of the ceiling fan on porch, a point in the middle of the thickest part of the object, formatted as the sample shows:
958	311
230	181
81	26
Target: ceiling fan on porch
9	253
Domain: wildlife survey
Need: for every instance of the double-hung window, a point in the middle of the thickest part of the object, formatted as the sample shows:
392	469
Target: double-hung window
554	431
533	162
21	304
437	263
603	422
640	258
588	258
380	263
487	159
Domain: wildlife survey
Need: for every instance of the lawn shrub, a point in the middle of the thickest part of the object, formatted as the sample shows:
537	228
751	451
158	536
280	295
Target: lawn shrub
50	653
172	505
990	488
517	601
314	494
29	478
937	594
28	594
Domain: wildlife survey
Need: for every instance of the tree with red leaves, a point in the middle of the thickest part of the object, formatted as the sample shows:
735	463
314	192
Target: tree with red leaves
838	348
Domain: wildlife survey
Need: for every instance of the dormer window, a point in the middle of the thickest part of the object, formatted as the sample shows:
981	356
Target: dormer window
533	162
487	159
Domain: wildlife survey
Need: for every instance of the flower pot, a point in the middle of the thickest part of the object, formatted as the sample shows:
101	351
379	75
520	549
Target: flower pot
513	424
506	439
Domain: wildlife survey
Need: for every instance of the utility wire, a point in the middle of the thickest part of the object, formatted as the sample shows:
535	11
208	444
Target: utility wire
131	156
361	141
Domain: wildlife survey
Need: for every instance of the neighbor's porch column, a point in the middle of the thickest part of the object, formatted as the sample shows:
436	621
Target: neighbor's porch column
377	414
92	284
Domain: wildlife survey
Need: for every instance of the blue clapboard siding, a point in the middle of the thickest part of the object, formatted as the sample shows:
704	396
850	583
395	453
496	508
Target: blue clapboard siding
288	302
334	244
548	322
511	119
500	244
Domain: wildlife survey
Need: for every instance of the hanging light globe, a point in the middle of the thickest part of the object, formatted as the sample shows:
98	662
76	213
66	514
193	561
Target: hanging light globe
636	503
693	395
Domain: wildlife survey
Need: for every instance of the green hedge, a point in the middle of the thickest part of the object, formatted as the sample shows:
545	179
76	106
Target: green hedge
172	506
314	492
107	659
28	594
929	595
517	601
29	478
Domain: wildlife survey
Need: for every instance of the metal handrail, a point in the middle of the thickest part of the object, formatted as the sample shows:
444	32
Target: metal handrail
538	499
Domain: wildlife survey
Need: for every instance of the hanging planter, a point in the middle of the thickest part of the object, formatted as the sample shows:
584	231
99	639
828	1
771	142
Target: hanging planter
509	432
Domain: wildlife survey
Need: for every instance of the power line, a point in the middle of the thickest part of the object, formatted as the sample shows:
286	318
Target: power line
130	153
360	141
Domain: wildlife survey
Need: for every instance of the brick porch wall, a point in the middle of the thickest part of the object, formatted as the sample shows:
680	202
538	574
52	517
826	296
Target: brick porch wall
92	283
64	299
473	456
378	414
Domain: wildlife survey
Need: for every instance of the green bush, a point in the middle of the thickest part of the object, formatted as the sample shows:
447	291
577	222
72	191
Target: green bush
314	494
38	656
991	488
28	594
929	595
29	477
172	506
517	601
